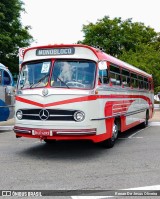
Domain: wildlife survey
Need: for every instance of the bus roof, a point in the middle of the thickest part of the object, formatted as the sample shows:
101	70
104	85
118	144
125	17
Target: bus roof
126	65
78	51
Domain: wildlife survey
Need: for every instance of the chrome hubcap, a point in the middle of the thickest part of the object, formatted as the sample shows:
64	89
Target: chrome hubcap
114	132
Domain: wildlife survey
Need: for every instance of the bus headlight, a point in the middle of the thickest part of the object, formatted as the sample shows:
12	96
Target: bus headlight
79	116
19	114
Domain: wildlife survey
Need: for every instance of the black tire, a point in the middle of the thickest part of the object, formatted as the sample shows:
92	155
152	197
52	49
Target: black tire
145	123
109	143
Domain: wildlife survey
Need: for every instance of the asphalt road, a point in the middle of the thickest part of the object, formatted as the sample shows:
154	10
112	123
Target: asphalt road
28	164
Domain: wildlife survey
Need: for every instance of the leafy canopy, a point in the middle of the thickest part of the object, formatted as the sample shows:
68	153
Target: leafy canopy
12	34
132	42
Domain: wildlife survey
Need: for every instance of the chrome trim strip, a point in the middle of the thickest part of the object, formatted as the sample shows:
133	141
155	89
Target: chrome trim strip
121	114
49	115
76	133
22	131
60	115
32	114
7	106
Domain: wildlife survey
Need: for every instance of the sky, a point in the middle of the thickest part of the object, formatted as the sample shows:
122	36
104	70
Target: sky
61	21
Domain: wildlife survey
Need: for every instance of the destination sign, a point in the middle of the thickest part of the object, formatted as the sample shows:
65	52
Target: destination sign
55	51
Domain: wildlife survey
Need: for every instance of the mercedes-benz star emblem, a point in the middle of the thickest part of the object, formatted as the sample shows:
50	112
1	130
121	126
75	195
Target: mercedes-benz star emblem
43	114
45	92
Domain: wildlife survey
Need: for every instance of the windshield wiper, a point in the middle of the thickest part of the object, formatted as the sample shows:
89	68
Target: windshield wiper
39	81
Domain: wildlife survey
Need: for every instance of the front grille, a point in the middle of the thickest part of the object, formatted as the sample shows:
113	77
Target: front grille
48	114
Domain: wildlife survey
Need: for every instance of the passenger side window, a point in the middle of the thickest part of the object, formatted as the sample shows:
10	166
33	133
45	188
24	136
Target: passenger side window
125	78
140	78
150	85
145	83
134	80
115	77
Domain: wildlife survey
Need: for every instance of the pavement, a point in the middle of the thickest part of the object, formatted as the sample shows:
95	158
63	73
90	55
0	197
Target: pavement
9	122
156	116
7	125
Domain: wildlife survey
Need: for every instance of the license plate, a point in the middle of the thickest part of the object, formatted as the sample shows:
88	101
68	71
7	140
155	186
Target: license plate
42	132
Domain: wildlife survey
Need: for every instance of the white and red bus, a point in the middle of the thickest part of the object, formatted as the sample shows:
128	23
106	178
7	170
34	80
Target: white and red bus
77	92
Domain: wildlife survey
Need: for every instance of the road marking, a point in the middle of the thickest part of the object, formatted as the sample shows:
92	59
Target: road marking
148	188
154	124
153	187
129	138
132	136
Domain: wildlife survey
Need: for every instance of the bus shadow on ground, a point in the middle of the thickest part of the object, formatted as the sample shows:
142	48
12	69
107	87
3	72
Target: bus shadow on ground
74	150
65	150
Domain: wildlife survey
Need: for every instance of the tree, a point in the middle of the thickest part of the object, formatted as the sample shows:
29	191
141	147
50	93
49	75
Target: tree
12	34
115	35
129	41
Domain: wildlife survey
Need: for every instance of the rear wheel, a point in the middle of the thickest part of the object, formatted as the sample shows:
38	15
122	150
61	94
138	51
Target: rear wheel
145	123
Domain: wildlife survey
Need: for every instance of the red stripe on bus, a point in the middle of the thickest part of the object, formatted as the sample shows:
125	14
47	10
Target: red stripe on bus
79	99
82	99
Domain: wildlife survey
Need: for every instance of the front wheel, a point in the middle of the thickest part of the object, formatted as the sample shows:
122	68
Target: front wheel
109	143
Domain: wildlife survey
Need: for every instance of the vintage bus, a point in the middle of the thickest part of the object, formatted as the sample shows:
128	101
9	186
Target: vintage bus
6	94
77	92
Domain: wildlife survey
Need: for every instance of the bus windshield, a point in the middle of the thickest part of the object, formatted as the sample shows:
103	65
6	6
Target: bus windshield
73	74
34	75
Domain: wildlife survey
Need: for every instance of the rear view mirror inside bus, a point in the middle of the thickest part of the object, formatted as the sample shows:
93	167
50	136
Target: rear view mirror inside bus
102	65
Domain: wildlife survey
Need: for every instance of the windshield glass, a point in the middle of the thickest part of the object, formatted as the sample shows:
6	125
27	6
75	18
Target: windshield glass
73	74
34	75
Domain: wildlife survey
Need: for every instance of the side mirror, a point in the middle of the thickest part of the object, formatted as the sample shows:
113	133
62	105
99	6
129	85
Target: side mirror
102	65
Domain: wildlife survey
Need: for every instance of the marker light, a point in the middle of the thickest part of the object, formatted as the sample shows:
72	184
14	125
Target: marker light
79	116
19	114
